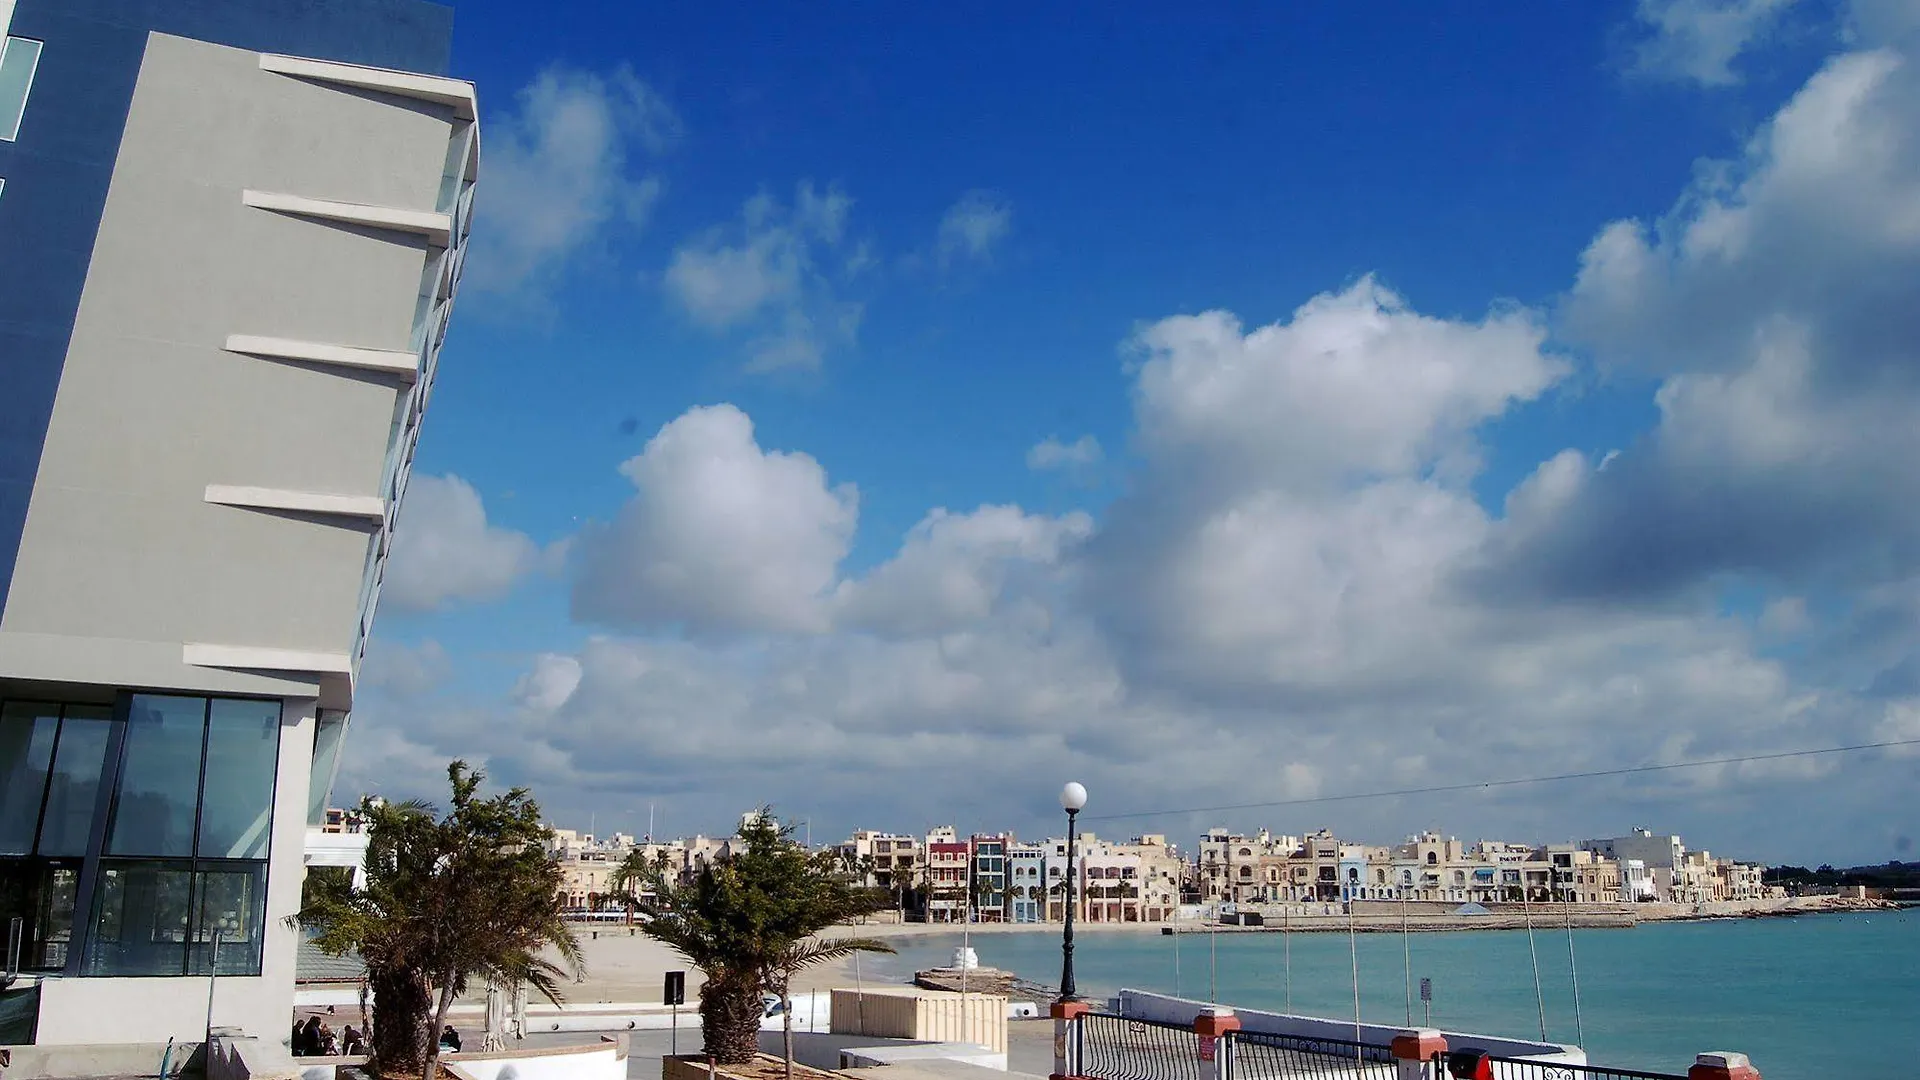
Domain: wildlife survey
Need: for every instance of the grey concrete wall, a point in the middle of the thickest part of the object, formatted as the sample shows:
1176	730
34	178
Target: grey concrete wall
119	544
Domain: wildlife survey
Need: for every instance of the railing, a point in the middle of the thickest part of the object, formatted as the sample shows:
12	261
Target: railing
1122	1048
1465	1062
1260	1056
1103	1046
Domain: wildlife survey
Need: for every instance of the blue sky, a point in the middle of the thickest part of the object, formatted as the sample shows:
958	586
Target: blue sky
888	414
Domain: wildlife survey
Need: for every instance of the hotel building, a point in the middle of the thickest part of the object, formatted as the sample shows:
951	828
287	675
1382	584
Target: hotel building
232	233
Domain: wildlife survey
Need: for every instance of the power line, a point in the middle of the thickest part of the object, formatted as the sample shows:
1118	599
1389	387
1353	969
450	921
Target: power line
1482	784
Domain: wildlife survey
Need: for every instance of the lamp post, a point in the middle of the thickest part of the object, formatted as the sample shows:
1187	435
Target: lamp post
1073	797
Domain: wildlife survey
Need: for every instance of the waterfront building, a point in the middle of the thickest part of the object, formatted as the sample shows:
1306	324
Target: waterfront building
1161	871
988	867
1026	889
232	234
1662	855
947	877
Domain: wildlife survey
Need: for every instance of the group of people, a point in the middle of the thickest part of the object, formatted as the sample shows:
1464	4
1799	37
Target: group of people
313	1037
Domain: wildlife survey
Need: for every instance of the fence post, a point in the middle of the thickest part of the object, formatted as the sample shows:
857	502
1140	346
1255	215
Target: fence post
1215	1027
1066	1048
1722	1065
1414	1048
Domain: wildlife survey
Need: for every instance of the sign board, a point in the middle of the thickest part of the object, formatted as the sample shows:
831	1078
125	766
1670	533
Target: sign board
1207	1043
1137	1027
1426	989
675	991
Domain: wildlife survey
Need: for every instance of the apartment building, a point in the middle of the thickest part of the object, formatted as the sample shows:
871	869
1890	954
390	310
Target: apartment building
989	885
948	876
232	234
1026	883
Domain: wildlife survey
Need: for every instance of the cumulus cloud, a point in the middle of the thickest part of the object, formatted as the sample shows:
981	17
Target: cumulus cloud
1079	455
560	171
972	227
1698	40
1302	589
445	552
1775	304
954	569
774	276
720	535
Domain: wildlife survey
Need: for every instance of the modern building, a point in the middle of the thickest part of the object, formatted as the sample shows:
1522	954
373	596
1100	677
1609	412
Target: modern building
232	231
989	868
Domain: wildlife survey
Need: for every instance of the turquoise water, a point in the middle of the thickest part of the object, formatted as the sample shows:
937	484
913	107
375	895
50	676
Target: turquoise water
1806	998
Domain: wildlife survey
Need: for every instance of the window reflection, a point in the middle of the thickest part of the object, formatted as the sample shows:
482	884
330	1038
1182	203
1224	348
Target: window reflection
243	750
159	777
26	751
74	793
140	918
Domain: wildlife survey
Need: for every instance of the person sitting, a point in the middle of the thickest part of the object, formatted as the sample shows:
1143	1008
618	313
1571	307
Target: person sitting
352	1043
450	1039
329	1045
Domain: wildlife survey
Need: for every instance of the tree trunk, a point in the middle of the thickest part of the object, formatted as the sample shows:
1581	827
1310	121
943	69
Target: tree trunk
786	1030
400	1006
433	1030
730	1013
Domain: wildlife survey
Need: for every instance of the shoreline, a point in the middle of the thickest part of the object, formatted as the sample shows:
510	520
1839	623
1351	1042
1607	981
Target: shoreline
1387	919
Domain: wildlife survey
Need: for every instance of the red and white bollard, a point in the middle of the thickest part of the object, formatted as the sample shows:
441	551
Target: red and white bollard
1213	1026
1415	1049
1066	1048
1722	1065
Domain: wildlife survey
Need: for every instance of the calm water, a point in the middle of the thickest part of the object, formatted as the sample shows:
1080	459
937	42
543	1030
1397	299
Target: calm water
1806	998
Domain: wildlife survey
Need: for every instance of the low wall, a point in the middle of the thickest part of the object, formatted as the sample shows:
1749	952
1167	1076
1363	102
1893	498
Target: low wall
605	1061
821	1050
1173	1010
98	1059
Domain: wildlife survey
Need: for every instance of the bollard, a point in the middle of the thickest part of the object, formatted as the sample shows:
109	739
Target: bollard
1066	1048
1722	1065
1213	1027
1414	1048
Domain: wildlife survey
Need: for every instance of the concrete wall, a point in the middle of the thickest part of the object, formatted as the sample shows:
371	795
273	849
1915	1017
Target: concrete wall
151	408
607	1061
58	171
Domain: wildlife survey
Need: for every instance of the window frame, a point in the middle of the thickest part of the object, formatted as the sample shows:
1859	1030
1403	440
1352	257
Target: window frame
26	90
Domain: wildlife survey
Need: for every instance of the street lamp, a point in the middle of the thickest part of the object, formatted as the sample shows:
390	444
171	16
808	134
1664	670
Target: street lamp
1073	797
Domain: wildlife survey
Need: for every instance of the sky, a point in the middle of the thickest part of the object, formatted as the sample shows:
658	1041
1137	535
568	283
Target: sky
889	413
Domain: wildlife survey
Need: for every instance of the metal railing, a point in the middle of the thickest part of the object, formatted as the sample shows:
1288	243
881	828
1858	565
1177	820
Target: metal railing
1262	1056
1463	1061
1125	1048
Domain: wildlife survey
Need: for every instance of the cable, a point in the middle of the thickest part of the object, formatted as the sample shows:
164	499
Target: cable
1440	788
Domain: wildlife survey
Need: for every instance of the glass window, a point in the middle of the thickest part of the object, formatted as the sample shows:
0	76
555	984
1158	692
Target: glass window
243	752
74	793
230	903
140	918
328	731
26	752
159	777
18	60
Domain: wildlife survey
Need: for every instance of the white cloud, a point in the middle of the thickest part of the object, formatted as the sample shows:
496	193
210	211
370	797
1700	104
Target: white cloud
972	227
1077	456
954	569
1698	40
405	671
445	552
772	275
1775	303
720	534
558	174
548	684
1302	590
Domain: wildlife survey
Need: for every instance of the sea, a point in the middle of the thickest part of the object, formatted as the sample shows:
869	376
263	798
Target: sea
1807	998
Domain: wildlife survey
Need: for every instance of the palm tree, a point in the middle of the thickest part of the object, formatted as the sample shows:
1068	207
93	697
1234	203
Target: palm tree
748	921
447	901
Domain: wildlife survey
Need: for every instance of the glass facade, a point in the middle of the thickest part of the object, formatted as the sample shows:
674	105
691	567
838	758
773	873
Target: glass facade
145	826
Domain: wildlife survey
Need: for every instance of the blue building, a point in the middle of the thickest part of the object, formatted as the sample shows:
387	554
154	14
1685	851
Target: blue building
1026	883
232	232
